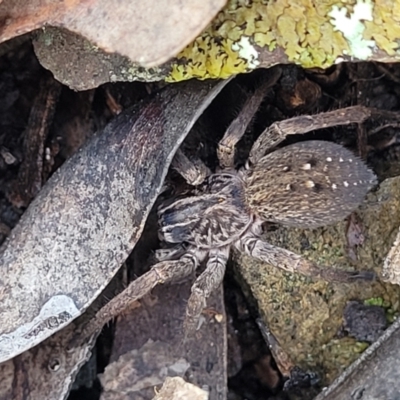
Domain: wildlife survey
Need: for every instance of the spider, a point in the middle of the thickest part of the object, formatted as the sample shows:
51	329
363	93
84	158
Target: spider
307	185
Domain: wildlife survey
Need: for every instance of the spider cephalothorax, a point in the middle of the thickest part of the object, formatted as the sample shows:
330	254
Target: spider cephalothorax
307	184
215	217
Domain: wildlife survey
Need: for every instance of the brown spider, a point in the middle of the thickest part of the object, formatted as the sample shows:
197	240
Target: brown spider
308	184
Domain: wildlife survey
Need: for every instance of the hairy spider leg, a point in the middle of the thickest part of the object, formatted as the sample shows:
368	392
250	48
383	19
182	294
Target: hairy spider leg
163	272
205	284
278	131
237	128
194	171
286	260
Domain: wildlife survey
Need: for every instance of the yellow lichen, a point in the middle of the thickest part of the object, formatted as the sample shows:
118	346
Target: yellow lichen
385	28
312	33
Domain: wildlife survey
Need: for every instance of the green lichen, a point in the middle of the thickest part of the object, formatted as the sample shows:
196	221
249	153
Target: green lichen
374	301
311	33
391	310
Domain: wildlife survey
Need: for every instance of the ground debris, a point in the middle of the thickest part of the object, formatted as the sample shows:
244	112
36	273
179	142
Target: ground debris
178	389
364	322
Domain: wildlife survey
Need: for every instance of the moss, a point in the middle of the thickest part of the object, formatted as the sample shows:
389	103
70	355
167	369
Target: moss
312	33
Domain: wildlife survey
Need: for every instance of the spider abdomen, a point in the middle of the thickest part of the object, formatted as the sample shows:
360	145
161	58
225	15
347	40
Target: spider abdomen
307	184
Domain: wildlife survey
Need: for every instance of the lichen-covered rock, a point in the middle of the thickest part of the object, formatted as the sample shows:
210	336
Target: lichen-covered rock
246	35
312	33
305	314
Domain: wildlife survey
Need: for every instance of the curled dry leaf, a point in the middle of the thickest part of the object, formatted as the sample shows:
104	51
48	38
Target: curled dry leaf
391	266
147	32
88	217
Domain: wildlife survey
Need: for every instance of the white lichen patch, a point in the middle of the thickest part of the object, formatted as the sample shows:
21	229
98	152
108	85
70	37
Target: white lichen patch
353	27
246	51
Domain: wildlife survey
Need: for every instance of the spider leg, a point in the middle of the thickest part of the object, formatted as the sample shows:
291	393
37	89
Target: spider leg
204	285
294	375
194	171
294	263
278	131
162	272
236	130
281	357
171	253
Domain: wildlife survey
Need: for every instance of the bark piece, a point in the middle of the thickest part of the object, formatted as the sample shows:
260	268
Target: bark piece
148	347
45	372
30	175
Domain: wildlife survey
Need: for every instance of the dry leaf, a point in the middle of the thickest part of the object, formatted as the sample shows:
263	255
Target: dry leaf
148	32
85	221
